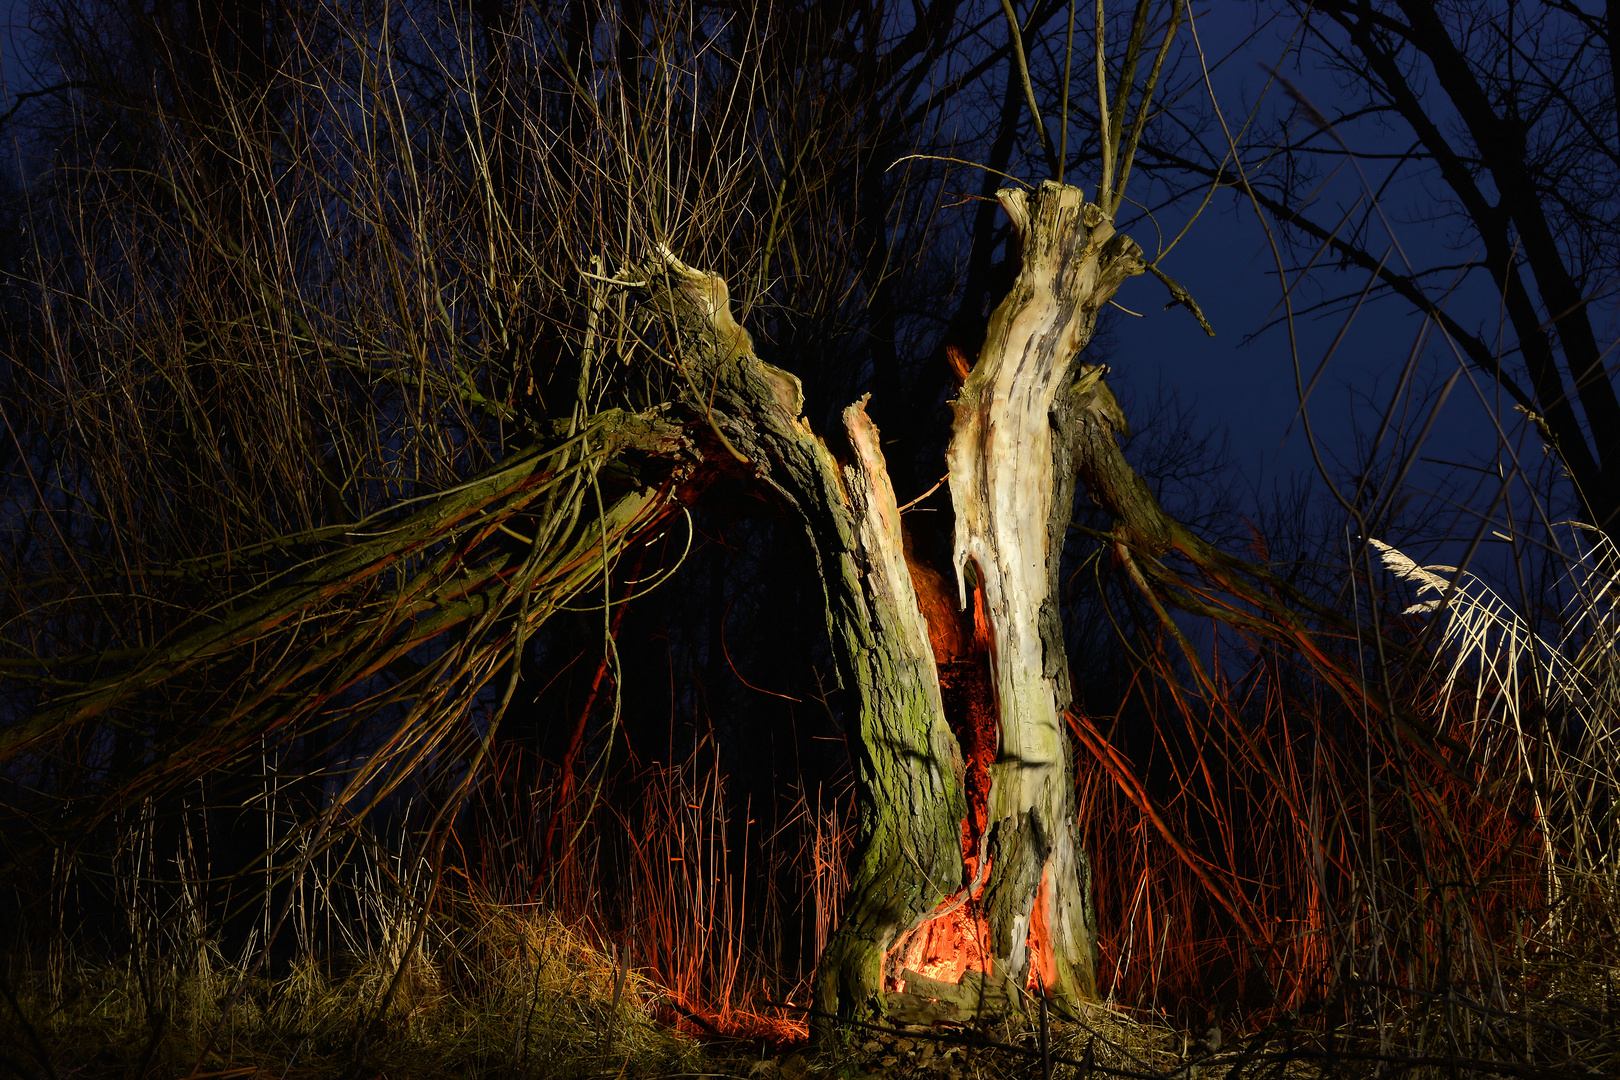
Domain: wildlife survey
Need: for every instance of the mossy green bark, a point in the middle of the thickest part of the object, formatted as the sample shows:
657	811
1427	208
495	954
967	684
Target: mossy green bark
908	776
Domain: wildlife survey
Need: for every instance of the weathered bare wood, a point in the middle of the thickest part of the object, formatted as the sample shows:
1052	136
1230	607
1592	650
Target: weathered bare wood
974	997
1012	486
1012	482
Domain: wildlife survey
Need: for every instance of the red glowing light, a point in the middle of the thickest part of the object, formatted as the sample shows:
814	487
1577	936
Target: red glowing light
1042	958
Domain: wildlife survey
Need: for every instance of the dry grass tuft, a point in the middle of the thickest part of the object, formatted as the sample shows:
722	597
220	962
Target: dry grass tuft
499	991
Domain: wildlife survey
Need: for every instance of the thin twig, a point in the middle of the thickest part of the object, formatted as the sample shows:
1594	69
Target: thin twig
969	164
1105	186
1063	125
1128	149
1041	135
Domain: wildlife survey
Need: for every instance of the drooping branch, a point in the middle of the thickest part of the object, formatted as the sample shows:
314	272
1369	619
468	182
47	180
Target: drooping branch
331	641
1266	605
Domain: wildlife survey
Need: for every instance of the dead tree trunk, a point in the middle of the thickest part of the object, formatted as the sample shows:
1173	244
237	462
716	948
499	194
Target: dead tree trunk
908	770
955	912
1012	479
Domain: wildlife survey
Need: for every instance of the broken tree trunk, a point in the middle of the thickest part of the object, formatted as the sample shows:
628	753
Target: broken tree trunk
908	772
1009	879
1011	459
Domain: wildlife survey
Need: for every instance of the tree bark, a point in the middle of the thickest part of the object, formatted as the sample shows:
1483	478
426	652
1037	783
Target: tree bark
1012	477
1008	880
907	768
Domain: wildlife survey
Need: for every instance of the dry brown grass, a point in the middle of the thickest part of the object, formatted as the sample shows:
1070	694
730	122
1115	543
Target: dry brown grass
496	991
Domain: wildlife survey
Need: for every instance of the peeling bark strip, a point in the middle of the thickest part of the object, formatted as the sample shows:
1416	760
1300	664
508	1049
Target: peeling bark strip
1012	485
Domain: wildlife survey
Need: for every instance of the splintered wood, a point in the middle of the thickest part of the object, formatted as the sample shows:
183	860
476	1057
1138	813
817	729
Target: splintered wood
1030	925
